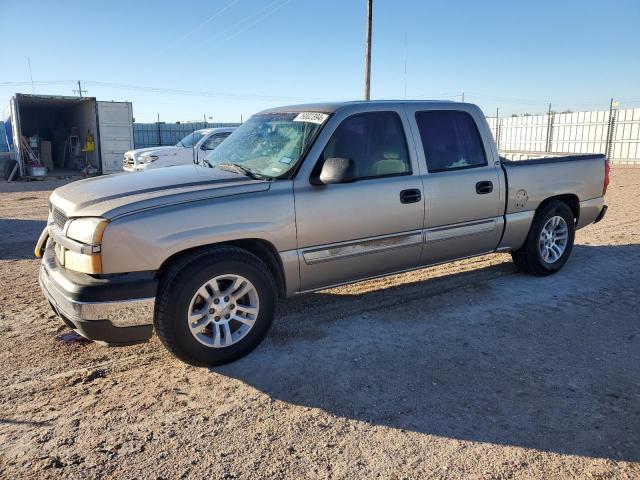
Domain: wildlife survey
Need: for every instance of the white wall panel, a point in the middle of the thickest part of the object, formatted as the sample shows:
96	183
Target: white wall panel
578	132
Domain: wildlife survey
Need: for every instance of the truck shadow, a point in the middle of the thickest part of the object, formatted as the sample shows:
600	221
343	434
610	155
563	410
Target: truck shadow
489	355
18	237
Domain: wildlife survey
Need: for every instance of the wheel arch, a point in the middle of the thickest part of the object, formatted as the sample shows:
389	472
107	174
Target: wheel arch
261	248
570	199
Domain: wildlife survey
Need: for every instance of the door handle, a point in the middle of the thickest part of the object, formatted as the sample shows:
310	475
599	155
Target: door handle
484	187
411	195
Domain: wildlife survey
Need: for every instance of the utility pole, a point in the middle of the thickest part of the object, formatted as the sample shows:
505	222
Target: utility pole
33	90
462	96
549	129
611	128
80	90
498	128
405	64
367	54
159	133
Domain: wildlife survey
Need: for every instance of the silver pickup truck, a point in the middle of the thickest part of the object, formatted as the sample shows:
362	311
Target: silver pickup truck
299	199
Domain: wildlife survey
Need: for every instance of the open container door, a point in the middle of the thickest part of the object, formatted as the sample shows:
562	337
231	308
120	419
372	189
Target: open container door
15	130
115	133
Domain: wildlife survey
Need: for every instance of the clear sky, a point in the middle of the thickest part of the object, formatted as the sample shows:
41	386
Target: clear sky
226	58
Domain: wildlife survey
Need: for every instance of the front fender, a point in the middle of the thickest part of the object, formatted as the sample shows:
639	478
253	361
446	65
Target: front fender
144	240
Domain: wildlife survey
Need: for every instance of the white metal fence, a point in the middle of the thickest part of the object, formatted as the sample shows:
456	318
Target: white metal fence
615	133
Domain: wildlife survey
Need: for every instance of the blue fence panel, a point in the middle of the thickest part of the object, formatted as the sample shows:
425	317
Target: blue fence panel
162	134
4	132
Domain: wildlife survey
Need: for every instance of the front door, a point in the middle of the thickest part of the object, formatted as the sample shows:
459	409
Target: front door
371	226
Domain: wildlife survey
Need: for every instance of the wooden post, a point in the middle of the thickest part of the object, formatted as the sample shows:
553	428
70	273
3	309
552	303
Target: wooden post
13	173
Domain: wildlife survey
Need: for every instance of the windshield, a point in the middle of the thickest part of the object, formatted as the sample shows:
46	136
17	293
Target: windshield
190	140
269	145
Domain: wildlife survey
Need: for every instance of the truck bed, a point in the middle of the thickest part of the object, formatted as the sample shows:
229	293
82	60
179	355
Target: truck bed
530	182
576	179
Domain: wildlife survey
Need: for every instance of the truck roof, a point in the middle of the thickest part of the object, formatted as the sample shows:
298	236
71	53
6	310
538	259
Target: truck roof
332	107
216	129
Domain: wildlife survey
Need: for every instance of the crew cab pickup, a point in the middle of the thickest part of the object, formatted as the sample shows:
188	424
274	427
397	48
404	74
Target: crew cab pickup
298	199
191	149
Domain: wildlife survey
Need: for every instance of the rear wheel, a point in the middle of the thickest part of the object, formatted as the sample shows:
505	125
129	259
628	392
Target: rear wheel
215	306
549	241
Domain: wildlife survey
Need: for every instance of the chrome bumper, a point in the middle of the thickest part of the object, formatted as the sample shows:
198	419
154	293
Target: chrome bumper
121	313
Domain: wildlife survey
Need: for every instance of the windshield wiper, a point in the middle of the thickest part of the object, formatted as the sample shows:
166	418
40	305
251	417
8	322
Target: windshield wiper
236	167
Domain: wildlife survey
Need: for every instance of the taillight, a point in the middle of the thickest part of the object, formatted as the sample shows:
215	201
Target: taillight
606	177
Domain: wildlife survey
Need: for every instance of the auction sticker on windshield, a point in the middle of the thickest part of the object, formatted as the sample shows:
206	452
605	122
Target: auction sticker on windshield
311	117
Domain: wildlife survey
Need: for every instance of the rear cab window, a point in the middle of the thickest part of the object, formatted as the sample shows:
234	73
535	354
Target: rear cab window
451	140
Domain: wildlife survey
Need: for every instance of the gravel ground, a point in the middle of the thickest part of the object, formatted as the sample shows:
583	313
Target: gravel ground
468	370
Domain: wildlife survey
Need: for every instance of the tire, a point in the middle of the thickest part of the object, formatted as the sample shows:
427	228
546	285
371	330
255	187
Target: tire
529	258
180	294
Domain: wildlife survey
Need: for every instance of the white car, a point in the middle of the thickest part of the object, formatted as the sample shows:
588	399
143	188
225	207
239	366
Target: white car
191	149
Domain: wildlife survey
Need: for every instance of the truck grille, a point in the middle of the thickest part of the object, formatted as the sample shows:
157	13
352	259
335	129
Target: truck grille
59	218
128	161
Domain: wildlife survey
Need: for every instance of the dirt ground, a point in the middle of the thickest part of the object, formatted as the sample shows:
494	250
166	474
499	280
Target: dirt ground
469	370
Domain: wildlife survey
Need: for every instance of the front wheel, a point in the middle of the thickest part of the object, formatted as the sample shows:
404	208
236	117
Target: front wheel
215	306
549	241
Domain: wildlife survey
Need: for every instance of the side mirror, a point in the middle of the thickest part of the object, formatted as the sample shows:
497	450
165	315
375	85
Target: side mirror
337	170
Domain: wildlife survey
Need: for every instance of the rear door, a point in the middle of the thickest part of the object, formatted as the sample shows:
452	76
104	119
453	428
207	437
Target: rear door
371	226
462	184
115	129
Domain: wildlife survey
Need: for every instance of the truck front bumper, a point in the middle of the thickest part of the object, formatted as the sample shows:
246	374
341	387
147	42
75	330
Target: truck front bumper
115	311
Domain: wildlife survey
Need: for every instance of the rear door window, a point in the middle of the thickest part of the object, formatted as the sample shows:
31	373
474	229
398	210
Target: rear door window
450	140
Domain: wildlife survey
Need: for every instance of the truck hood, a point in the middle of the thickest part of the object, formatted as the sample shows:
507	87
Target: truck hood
160	151
136	152
111	196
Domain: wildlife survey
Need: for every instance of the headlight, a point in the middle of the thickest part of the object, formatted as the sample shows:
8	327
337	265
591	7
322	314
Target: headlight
83	262
147	159
86	230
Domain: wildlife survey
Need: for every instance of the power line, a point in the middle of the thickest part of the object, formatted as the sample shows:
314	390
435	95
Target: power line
268	10
258	20
212	17
38	82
